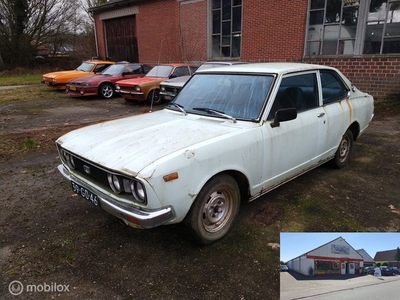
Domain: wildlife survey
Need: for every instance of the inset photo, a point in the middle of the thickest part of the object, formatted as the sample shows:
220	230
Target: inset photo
335	265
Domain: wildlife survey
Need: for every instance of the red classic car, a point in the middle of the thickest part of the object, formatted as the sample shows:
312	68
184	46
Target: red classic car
148	87
104	84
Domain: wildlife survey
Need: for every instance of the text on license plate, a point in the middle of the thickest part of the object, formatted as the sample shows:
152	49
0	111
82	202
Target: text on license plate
72	88
85	193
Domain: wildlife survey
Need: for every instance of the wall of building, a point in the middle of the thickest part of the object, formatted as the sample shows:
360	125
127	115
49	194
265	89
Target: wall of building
193	31
301	265
157	28
273	30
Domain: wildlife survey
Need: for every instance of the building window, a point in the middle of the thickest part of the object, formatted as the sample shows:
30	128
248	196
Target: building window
383	27
226	31
352	27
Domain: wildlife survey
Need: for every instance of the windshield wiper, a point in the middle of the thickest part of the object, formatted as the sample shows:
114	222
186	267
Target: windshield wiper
178	106
217	112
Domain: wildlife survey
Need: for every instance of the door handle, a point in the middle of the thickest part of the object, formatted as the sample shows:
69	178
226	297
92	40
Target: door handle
320	115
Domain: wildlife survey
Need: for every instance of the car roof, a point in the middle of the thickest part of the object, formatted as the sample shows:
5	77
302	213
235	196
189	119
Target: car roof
177	65
277	68
99	61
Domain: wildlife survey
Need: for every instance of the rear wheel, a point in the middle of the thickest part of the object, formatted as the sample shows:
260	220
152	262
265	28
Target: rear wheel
154	97
344	151
214	210
106	90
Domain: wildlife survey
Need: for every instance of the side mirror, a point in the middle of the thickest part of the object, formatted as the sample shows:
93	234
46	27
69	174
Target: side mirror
283	115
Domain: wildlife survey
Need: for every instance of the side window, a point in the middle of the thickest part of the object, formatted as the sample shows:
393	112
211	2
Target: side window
193	69
136	69
299	91
180	71
333	88
100	68
146	68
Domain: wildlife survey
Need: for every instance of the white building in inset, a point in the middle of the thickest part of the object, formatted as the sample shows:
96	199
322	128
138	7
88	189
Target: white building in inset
334	258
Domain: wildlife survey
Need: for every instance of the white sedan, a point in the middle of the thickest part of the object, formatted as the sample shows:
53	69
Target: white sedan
232	134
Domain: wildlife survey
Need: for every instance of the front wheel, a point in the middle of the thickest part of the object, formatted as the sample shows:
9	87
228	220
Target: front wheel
344	151
154	97
214	210
106	90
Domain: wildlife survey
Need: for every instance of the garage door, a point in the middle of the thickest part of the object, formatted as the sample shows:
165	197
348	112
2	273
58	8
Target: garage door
121	40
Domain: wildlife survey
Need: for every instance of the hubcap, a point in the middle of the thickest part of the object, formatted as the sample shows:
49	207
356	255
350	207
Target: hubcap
344	149
107	92
217	211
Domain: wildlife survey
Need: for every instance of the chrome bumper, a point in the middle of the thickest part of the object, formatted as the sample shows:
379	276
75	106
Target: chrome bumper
132	216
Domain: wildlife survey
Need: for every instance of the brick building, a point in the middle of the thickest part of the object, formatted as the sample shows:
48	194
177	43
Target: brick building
389	256
360	38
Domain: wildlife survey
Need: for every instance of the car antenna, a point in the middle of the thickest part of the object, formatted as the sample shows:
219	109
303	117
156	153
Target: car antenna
158	63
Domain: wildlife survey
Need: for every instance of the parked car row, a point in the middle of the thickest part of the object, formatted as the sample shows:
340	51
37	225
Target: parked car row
105	78
133	81
384	270
231	134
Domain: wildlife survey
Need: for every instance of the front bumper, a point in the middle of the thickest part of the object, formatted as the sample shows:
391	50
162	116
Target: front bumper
133	216
134	95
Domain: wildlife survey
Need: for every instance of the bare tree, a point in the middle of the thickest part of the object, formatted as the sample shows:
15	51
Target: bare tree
24	25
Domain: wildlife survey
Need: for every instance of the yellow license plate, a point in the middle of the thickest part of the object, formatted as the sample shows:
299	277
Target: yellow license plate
72	88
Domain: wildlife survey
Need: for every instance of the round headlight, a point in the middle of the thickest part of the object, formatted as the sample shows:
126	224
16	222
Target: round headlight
162	89
137	88
138	191
115	183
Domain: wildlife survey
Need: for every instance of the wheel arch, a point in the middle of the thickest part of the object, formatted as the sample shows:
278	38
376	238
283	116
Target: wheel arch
355	130
241	180
106	82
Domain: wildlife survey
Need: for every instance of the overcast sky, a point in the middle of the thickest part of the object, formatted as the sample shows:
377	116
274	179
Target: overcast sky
293	244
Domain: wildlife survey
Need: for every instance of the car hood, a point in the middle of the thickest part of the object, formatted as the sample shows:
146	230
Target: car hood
177	82
130	144
92	77
64	73
137	81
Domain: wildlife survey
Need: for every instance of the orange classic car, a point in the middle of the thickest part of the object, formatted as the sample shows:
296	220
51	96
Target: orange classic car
59	79
147	88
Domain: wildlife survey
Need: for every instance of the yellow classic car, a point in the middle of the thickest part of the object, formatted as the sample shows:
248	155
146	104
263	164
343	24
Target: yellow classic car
60	79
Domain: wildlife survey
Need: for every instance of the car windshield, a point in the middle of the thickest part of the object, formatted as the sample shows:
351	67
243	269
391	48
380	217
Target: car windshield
160	71
113	70
225	95
85	67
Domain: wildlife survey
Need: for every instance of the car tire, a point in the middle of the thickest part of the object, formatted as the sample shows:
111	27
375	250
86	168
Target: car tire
106	90
154	97
344	151
214	210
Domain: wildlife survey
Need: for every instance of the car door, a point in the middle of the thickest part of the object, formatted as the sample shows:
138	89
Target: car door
294	146
338	113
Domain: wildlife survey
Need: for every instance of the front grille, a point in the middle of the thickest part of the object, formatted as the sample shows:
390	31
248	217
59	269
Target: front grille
90	171
76	83
127	88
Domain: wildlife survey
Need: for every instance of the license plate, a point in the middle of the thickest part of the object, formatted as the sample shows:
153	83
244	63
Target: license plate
72	88
167	97
85	193
47	83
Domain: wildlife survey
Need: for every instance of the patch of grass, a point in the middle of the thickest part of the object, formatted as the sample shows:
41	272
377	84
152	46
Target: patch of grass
29	144
30	93
20	79
314	214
